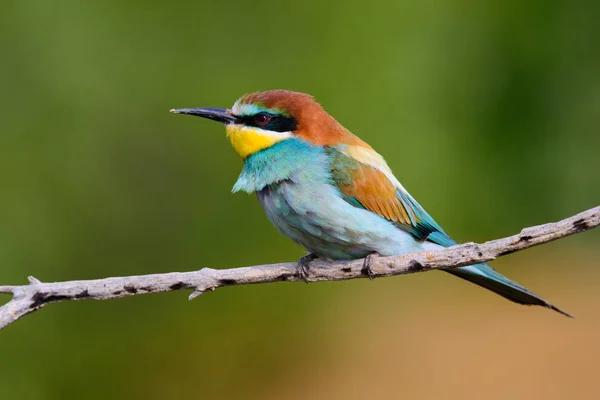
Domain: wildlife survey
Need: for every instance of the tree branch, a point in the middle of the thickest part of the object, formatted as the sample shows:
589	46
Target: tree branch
29	298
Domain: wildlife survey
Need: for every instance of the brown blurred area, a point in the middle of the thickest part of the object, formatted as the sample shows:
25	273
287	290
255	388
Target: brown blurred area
446	347
487	112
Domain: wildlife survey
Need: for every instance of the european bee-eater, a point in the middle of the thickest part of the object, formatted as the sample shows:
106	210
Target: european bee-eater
329	191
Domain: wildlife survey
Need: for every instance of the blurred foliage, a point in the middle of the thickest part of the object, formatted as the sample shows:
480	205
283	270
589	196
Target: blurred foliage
488	112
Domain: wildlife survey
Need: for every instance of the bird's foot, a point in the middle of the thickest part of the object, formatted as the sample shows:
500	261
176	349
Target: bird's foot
366	268
303	266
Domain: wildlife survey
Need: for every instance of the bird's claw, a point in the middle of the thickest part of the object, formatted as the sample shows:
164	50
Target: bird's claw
303	266
366	268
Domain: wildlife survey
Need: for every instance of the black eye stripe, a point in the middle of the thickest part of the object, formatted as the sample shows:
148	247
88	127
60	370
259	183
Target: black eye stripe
277	123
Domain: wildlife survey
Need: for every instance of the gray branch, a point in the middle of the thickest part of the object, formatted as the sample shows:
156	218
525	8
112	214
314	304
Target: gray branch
29	298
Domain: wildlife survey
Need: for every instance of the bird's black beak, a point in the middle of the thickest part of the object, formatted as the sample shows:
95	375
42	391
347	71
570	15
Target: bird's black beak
216	114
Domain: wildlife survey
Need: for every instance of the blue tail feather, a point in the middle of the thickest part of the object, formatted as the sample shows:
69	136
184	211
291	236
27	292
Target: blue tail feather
485	276
479	274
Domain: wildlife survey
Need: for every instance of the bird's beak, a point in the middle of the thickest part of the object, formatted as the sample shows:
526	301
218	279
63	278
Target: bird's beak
216	114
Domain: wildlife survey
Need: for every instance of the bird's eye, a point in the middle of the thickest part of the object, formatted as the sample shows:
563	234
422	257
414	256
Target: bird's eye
262	119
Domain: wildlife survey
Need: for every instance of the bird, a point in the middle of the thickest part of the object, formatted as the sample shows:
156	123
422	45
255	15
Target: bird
332	193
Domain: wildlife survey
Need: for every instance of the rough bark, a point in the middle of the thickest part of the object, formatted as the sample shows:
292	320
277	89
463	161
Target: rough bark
29	298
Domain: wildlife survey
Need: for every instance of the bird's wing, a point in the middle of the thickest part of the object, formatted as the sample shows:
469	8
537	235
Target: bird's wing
366	181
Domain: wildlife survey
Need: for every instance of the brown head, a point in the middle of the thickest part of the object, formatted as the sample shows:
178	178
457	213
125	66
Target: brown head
259	120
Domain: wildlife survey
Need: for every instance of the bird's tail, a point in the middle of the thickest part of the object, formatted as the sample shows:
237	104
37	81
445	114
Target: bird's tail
485	276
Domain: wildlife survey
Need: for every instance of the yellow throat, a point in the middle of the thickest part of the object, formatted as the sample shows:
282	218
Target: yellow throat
247	140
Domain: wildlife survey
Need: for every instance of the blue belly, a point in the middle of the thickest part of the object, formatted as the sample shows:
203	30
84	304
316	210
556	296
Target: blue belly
315	216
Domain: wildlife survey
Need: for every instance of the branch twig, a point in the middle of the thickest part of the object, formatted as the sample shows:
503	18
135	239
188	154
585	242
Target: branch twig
29	298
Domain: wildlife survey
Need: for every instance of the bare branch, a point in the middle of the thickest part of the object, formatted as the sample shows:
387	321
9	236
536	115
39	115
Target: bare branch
29	298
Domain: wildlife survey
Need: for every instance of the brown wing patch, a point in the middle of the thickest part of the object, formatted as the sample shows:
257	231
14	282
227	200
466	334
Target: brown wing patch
376	193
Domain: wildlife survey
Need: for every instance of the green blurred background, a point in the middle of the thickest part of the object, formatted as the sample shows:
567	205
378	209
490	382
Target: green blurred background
488	112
